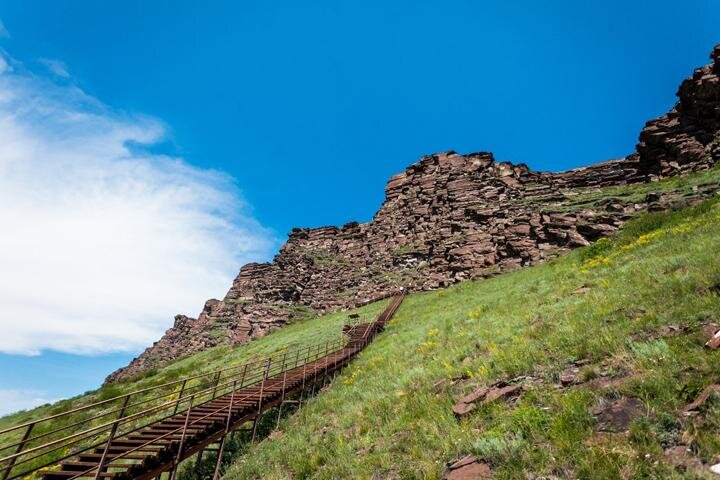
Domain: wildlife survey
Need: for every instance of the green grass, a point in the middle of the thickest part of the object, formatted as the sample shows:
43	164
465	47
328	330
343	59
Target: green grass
595	198
325	258
389	414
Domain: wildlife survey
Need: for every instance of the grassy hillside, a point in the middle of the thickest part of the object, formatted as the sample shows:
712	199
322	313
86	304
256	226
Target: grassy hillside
328	326
630	308
625	317
598	199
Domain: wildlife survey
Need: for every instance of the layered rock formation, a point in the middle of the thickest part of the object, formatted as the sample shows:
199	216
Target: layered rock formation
451	217
689	133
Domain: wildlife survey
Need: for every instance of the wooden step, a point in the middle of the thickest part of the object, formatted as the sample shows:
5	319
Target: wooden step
114	449
151	437
88	457
83	466
124	442
65	475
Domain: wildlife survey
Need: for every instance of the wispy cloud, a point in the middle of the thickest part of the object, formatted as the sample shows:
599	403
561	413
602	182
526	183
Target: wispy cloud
102	242
3	31
56	67
12	401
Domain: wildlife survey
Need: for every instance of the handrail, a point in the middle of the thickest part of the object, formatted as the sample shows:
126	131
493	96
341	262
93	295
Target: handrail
252	375
124	414
314	349
256	360
149	442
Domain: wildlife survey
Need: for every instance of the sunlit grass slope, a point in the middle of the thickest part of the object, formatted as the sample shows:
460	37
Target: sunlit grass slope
659	271
638	322
328	326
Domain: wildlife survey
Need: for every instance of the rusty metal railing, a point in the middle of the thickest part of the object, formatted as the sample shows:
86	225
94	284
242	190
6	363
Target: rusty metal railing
269	369
36	445
40	443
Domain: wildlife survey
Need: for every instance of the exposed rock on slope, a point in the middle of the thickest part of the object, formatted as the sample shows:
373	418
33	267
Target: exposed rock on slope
690	132
447	218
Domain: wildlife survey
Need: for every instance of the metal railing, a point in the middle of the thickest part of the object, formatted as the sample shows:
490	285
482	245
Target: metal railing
36	445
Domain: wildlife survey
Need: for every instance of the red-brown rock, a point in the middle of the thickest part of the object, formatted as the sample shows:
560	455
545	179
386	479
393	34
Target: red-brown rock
567	379
714	341
475	395
449	218
483	395
461	409
496	393
468	468
703	397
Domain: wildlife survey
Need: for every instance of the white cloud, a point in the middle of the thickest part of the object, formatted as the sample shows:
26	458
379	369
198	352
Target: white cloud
12	401
100	243
56	67
3	31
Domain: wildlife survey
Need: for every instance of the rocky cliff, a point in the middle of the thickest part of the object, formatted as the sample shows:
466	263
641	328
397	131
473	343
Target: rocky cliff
451	217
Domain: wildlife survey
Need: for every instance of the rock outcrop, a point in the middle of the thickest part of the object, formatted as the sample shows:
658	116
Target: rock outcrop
688	134
452	217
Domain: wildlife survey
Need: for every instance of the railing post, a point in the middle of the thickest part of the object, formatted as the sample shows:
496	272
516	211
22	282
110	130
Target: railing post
227	429
242	378
20	446
198	462
182	390
335	362
260	399
217	380
304	376
111	437
182	439
314	381
327	363
282	399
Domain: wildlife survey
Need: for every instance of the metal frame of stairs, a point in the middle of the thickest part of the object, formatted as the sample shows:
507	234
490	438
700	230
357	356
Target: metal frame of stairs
145	433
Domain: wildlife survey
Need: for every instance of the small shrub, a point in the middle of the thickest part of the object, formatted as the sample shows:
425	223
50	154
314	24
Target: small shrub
109	391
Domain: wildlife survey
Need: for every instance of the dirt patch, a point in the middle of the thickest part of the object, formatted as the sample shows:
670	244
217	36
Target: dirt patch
596	376
616	416
682	458
710	329
468	468
664	331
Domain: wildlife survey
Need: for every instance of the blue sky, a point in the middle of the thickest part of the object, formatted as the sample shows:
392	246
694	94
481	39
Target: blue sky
186	138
